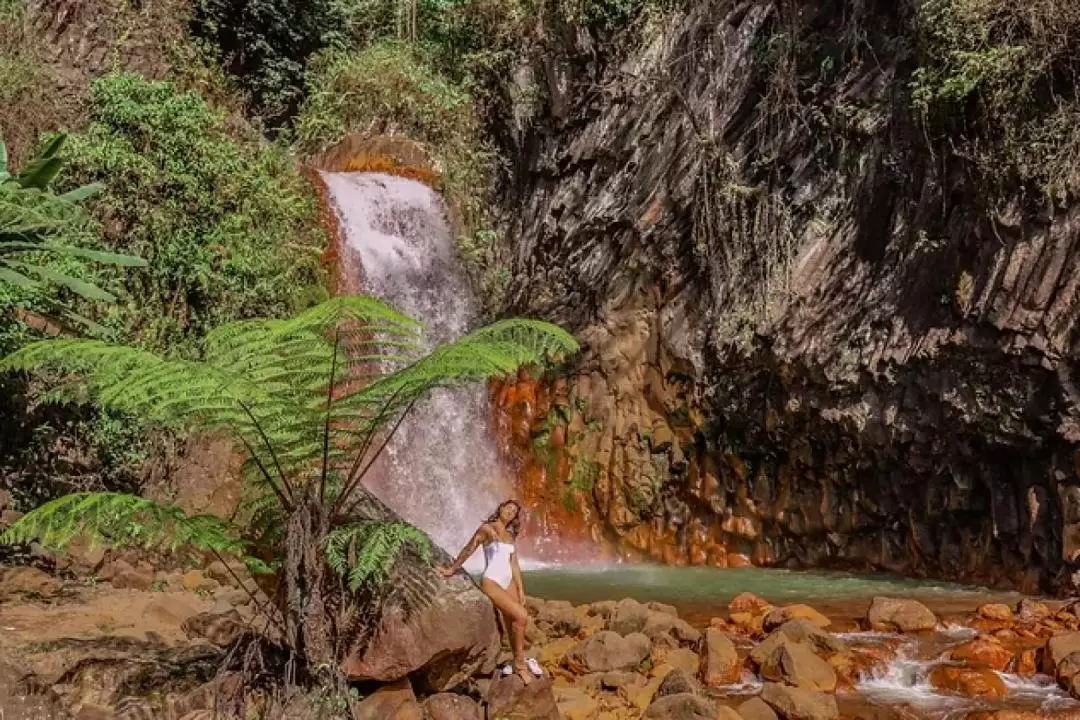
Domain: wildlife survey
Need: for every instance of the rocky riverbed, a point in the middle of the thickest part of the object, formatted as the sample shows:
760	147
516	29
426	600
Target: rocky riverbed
111	637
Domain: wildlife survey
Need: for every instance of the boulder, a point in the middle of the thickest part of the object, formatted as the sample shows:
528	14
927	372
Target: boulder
508	698
662	608
195	580
1067	669
681	658
607	650
748	623
575	704
1030	611
720	663
1058	648
792	703
27	581
796	664
685	706
895	614
996	611
778	616
969	682
556	619
22	695
9	517
629	616
659	625
799	631
678	682
449	639
395	701
620	679
757	709
552	655
749	603
220	629
602	609
983	653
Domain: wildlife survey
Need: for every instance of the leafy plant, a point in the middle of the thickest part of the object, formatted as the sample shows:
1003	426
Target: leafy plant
229	227
312	401
31	215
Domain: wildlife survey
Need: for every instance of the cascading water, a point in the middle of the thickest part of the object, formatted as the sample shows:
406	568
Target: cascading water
442	471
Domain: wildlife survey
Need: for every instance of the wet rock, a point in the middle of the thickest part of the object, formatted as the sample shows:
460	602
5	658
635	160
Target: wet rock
681	707
720	663
28	582
749	603
799	631
895	614
607	650
629	616
996	611
983	653
451	638
851	665
792	703
779	616
1057	649
678	682
395	701
796	664
757	709
509	697
1027	662
575	704
969	682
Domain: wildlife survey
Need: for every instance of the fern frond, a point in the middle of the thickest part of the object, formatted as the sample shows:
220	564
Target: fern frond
120	520
365	553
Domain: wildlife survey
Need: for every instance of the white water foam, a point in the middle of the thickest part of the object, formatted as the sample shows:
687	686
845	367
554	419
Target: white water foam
442	472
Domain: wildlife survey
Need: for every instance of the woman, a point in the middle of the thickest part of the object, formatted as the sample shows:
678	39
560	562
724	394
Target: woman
501	580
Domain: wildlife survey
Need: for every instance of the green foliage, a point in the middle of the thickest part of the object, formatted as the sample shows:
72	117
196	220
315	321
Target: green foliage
390	87
229	227
305	398
367	552
118	520
31	215
1000	78
267	44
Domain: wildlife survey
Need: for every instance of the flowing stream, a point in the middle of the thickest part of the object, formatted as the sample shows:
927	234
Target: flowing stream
442	472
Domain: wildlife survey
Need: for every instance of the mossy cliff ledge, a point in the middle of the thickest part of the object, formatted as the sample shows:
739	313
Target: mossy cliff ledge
829	320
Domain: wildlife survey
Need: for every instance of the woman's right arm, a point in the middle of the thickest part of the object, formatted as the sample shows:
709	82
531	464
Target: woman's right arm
466	552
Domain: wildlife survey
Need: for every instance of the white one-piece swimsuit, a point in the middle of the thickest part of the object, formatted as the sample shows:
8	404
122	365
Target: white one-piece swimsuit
497	566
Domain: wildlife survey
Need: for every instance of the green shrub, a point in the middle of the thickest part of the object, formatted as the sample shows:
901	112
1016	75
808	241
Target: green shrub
229	227
1001	76
390	88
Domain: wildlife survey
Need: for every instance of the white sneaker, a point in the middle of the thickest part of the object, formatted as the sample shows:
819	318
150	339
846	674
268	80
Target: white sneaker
508	669
534	667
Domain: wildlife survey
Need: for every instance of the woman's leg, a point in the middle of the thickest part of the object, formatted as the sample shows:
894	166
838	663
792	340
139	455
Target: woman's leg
516	617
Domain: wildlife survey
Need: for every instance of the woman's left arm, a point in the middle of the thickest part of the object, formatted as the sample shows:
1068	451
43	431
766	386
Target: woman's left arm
518	582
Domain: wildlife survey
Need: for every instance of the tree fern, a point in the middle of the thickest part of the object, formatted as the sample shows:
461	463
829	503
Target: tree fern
366	553
120	520
311	401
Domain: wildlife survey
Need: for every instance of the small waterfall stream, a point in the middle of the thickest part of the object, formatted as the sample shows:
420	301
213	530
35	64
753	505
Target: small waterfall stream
442	472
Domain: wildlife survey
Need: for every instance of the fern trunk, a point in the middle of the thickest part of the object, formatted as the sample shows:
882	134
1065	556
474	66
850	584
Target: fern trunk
313	593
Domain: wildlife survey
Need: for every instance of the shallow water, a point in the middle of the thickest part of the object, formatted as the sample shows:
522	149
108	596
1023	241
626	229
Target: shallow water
700	593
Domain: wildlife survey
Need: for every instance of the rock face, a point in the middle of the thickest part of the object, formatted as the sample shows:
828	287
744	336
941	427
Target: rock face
844	341
447	641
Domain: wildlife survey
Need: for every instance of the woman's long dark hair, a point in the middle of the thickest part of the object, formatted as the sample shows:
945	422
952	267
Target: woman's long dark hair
514	526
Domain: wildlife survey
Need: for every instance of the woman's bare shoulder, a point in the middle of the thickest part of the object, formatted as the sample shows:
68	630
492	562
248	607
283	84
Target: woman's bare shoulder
485	531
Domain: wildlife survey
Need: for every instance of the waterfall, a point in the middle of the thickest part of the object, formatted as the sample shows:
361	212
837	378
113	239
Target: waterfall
442	471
